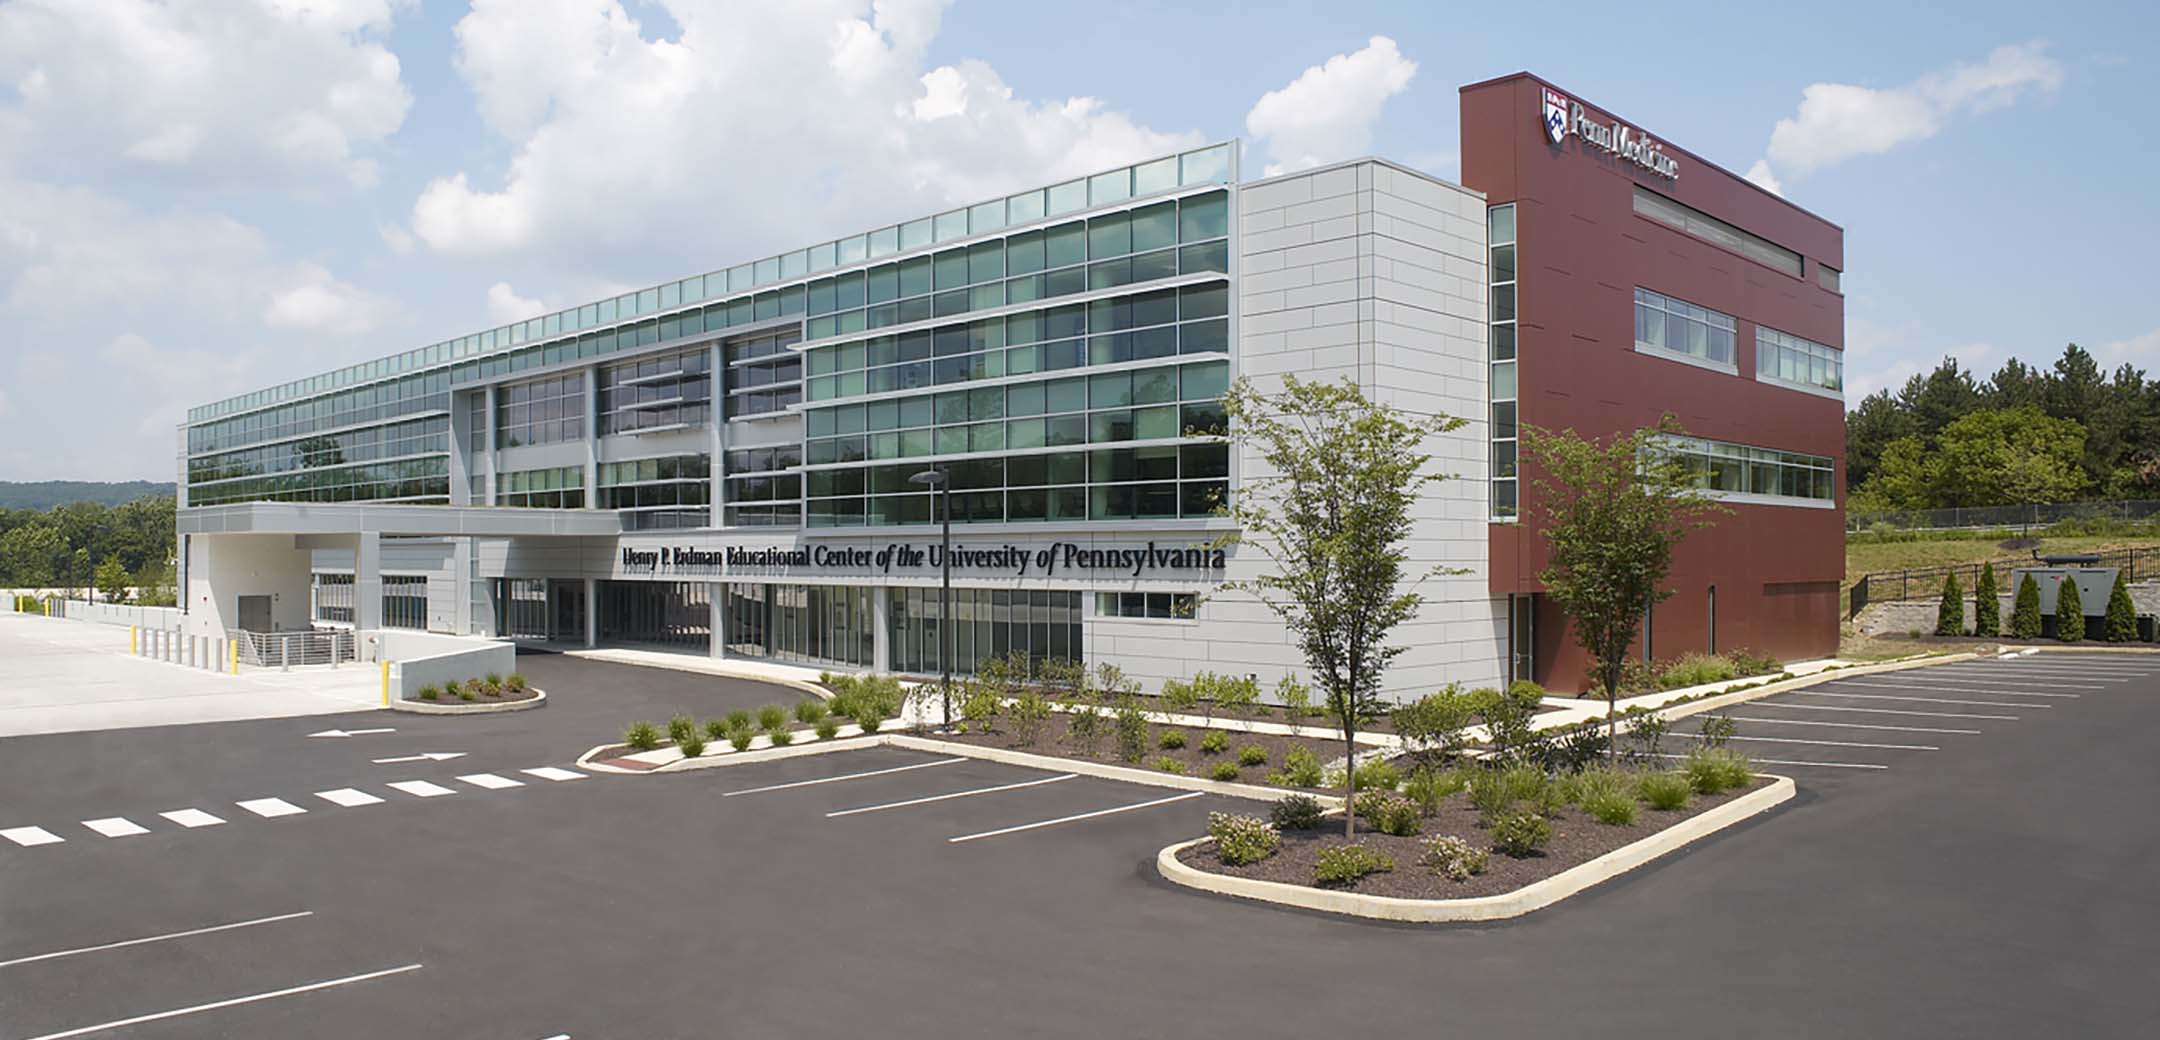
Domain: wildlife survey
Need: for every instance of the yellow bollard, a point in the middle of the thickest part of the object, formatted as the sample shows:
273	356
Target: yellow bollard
132	652
236	657
386	684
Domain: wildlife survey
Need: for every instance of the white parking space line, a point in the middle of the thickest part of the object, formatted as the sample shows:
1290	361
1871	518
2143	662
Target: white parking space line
235	1001
1923	700
270	808
30	837
1828	743
2129	671
1945	689
844	776
116	827
421	788
1968	680
553	773
155	938
1797	762
956	794
348	797
1855	725
1886	711
191	818
490	781
1071	819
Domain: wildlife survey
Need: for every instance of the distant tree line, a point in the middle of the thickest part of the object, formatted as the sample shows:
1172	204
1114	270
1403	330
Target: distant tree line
45	494
2069	433
89	545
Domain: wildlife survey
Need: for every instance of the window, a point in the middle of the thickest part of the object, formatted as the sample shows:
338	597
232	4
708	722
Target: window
1785	358
763	376
544	411
1674	327
654	492
1041	624
1829	278
1500	223
764	487
669	392
404	601
334	598
562	487
1725	469
1178	606
1710	229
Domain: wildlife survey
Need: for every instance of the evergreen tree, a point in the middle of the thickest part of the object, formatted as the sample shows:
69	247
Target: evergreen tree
2121	613
1987	604
2025	615
1950	617
2069	612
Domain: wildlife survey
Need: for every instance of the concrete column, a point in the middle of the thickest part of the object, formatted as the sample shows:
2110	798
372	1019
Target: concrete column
367	582
718	615
592	613
490	421
718	389
460	450
592	437
461	566
881	631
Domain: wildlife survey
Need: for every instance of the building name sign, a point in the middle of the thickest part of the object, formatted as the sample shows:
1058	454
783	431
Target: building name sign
1020	560
1562	117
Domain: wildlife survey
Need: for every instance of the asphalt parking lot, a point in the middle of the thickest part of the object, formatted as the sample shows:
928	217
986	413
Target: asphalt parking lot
1998	885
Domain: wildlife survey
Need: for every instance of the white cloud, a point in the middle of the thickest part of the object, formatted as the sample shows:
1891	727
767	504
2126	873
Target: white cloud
504	305
1762	177
276	92
757	127
1840	121
2136	349
1328	112
318	302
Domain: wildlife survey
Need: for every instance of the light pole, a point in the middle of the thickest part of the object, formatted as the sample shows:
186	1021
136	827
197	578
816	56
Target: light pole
936	478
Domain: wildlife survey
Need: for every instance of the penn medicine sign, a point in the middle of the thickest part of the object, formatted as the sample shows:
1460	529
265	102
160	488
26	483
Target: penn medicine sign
1562	117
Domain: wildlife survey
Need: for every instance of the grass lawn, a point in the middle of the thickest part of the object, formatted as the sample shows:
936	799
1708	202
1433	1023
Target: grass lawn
1869	558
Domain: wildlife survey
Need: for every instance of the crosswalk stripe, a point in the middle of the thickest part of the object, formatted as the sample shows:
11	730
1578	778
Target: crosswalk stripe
116	827
270	808
490	781
191	818
421	788
348	797
553	773
28	837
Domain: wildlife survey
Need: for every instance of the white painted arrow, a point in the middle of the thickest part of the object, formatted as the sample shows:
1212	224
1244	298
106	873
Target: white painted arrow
424	756
352	732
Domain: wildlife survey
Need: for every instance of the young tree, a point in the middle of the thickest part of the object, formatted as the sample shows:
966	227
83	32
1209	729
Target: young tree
1950	617
1329	513
1987	604
2025	613
1611	514
2069	611
112	579
2121	613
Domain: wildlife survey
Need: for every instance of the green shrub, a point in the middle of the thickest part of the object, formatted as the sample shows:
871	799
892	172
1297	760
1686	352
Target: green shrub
1950	614
980	704
740	739
1393	814
1297	812
808	712
826	728
466	692
1131	725
1214	742
1344	864
1520	833
1180	697
2069	612
681	728
1242	839
451	687
515	683
1084	730
1987	604
1170	765
2121	624
430	692
782	737
1296	698
1434	725
1507	717
1170	739
1378	775
771	717
1224	770
1300	768
1711	770
692	744
1716	730
1429	787
1453	858
2025	615
643	736
716	729
1696	670
494	684
1030	713
1747	662
1252	755
1664	790
1613	806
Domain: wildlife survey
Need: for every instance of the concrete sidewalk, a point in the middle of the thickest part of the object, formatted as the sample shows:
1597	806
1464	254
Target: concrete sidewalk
59	676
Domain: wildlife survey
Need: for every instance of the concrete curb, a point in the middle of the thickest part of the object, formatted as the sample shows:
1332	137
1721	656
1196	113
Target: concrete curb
538	700
728	756
2087	647
798	685
1723	700
1128	774
1534	896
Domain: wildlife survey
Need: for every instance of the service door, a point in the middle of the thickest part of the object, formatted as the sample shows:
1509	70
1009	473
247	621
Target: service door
255	613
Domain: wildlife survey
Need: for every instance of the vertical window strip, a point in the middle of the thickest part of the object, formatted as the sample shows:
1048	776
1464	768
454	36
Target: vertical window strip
1503	263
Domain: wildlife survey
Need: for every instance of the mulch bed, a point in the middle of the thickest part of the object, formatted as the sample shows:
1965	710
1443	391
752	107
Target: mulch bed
1576	839
1154	705
526	694
1055	740
802	735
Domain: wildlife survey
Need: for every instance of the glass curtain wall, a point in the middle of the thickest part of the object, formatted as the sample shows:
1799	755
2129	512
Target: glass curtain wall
815	624
986	623
668	613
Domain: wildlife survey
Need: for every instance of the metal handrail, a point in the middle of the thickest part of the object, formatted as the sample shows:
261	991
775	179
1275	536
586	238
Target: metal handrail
299	647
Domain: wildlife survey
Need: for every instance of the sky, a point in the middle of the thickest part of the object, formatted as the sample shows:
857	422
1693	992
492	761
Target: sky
204	197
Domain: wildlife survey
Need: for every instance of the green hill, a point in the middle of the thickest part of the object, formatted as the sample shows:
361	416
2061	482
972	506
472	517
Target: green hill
45	494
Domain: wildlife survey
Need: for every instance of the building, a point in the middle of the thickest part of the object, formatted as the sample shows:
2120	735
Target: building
745	463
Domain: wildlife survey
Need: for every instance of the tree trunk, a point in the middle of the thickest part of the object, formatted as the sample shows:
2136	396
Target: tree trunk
1612	723
1349	823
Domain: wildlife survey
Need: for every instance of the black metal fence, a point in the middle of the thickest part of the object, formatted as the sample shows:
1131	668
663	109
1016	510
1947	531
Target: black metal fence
1927	582
1998	516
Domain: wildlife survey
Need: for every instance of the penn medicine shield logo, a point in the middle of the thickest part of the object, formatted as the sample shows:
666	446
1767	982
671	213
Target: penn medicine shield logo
1556	115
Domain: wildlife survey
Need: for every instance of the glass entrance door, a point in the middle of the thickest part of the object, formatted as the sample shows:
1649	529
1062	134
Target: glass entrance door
566	599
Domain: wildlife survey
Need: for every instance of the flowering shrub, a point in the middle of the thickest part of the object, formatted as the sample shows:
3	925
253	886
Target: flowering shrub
1520	833
1242	839
1453	858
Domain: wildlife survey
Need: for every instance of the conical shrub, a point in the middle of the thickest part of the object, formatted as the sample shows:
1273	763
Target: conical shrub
2025	614
2121	613
1987	604
1950	617
2069	612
